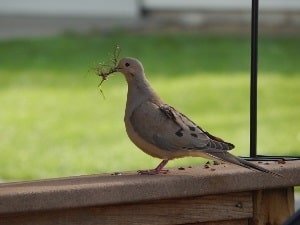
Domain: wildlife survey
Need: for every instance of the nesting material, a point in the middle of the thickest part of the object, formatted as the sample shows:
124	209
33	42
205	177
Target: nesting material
103	70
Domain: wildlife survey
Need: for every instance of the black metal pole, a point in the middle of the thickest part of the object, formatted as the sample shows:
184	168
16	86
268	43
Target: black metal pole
253	85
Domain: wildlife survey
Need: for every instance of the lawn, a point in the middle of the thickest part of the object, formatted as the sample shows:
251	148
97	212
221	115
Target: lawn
54	121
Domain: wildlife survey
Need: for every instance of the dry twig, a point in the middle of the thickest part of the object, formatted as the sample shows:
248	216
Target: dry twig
103	70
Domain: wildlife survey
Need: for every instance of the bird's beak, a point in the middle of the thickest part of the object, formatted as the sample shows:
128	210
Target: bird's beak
118	69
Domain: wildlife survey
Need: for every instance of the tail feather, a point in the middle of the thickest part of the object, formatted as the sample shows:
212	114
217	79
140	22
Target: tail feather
220	145
227	157
216	142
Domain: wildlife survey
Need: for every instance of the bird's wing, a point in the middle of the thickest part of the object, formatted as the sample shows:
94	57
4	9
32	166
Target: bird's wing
170	130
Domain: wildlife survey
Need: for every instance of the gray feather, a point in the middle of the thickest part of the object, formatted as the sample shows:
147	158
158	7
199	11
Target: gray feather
227	157
170	130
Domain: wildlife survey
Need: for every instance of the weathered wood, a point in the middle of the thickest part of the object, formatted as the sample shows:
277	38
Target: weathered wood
135	199
225	222
164	212
273	206
100	190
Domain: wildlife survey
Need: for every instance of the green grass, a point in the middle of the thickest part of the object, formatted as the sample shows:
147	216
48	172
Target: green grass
54	122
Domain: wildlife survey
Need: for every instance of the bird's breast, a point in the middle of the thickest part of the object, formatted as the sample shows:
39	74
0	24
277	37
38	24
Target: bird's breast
145	146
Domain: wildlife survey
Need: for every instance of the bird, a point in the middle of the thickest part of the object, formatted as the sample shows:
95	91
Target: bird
163	132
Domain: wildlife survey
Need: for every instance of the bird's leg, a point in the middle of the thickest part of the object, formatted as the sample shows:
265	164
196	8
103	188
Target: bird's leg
157	170
161	165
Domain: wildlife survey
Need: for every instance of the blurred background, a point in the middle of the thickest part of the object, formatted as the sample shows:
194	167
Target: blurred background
54	121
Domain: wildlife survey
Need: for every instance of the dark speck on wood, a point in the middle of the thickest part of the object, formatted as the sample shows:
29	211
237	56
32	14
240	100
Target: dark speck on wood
239	205
116	174
216	163
281	161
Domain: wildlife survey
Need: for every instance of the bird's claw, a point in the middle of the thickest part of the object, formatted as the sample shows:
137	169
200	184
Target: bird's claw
152	172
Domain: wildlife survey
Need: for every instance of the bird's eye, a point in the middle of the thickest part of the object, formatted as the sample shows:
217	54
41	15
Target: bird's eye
127	64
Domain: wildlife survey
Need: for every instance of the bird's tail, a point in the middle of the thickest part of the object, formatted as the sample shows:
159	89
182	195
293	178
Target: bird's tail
227	157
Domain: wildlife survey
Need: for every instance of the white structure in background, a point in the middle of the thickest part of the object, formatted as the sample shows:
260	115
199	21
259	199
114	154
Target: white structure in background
130	8
232	5
85	8
23	18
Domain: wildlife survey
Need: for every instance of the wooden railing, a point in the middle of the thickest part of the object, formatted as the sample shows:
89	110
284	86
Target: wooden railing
220	194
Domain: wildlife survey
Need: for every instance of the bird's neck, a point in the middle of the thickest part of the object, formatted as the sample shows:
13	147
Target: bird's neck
138	93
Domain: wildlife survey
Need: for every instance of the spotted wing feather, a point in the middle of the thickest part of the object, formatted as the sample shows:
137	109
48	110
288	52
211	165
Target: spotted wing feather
170	130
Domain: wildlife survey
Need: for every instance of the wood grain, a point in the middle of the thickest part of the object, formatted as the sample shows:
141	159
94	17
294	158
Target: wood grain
224	222
164	212
129	188
273	206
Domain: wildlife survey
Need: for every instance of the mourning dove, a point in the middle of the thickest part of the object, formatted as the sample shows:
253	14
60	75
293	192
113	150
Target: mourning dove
163	132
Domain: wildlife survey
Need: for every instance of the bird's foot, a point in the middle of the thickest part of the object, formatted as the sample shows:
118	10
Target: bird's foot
157	170
152	172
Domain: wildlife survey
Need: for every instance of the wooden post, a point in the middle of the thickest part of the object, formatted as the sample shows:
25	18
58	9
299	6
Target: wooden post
272	206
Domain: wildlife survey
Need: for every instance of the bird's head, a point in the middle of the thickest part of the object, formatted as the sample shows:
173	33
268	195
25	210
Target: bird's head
131	68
